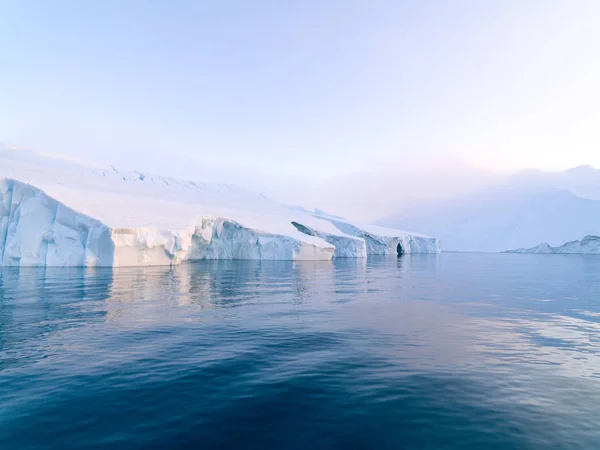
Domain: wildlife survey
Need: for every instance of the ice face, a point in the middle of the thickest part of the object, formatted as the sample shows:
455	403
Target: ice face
346	246
387	241
36	230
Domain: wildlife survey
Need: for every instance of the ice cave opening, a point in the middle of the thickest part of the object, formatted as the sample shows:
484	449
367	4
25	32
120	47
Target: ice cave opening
400	250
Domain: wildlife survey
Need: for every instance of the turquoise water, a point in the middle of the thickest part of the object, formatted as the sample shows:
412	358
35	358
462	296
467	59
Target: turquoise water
464	351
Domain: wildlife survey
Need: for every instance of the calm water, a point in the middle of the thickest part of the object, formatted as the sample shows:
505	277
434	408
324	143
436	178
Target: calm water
452	351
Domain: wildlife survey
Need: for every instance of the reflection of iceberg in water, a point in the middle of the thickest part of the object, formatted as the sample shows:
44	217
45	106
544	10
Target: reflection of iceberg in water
229	283
311	278
33	294
349	278
410	299
420	263
37	302
211	284
376	273
147	294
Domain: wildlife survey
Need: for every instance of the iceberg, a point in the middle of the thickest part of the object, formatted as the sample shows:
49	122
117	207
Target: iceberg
55	212
587	245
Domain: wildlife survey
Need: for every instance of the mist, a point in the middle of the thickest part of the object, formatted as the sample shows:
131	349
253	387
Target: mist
377	191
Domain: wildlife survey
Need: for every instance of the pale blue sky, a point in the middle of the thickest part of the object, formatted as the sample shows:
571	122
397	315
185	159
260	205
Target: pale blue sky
313	89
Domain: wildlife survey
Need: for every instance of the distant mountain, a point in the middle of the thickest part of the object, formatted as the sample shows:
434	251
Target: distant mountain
587	245
526	209
582	181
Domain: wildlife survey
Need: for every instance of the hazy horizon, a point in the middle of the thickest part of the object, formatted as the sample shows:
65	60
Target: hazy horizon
367	196
351	107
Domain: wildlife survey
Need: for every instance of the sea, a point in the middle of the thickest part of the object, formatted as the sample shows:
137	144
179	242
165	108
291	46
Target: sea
450	351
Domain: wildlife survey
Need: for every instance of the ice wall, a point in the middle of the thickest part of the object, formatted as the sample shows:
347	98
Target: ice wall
386	241
37	230
346	246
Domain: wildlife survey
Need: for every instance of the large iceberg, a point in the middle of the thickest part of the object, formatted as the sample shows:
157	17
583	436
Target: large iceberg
62	213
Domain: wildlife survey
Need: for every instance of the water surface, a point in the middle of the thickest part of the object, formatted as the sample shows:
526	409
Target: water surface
464	351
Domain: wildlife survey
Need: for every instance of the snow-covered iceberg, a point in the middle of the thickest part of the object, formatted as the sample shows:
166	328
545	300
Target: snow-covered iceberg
62	213
587	245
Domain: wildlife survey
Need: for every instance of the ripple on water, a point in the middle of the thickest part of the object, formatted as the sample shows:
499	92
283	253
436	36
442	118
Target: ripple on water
447	351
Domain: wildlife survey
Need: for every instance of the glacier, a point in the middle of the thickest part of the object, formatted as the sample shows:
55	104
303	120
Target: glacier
56	212
587	245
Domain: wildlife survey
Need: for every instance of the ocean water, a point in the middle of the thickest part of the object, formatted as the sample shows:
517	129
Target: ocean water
448	351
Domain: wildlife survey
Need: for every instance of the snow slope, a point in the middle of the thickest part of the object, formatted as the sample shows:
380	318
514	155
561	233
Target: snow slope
521	213
587	245
65	213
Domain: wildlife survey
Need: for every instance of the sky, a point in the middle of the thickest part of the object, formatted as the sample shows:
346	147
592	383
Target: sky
307	99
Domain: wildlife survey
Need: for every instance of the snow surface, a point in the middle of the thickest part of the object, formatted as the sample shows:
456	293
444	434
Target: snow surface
60	212
587	245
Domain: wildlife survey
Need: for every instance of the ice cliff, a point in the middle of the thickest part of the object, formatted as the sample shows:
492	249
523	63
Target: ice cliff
62	213
589	245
